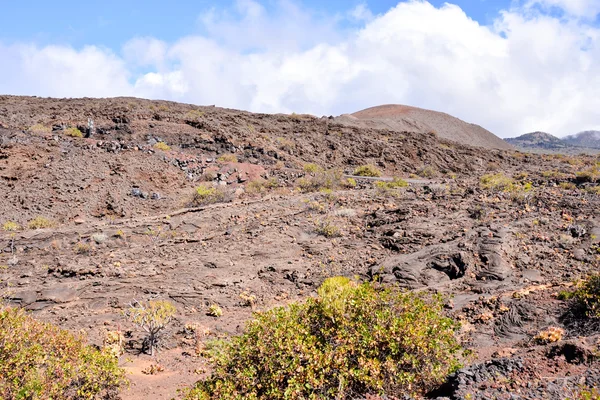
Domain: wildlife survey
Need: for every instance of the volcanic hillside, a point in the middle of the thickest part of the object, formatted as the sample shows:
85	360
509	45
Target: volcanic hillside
224	212
413	119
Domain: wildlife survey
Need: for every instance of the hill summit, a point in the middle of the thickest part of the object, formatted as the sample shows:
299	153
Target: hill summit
406	118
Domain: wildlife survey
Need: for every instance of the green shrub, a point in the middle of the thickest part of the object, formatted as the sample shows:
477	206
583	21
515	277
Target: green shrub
349	183
427	172
152	317
367	170
329	179
162	146
227	158
587	296
502	183
41	361
327	228
73	132
312	168
393	184
349	341
259	186
40	223
206	194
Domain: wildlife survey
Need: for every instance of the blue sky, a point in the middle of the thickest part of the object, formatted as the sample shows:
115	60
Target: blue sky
112	22
511	66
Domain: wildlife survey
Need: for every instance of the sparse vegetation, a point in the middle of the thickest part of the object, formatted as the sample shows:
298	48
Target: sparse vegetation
352	340
10	226
587	296
162	146
73	132
591	174
367	170
550	335
40	223
40	361
206	194
395	183
153	318
313	169
259	186
215	311
502	183
193	115
327	228
39	129
324	179
227	158
427	172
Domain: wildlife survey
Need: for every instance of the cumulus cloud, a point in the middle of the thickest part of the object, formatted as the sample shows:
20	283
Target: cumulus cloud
530	70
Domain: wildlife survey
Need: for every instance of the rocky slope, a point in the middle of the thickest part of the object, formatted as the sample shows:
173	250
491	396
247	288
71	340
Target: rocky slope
124	229
413	119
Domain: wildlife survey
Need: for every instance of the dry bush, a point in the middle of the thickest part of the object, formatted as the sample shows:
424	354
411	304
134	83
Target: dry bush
367	170
207	194
41	223
153	317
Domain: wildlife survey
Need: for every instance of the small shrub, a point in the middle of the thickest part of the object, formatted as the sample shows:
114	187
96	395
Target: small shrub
591	174
206	194
349	183
259	186
393	184
350	341
502	183
328	229
83	248
227	158
427	172
550	335
40	223
215	311
39	129
152	317
329	179
312	168
41	361
73	132
285	144
367	170
10	226
587	296
593	190
193	115
162	146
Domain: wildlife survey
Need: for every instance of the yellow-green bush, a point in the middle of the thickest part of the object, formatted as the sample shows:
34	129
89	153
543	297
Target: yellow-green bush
349	341
206	194
587	296
393	184
312	168
227	158
367	170
591	174
329	179
40	223
73	132
41	361
162	146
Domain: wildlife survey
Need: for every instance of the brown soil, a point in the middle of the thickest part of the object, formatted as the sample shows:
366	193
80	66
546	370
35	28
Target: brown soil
405	118
503	258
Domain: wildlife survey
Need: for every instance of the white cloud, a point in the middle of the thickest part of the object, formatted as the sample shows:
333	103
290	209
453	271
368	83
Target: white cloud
588	9
529	71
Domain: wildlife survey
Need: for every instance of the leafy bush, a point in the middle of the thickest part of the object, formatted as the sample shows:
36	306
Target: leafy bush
40	223
73	132
367	170
427	172
41	361
318	180
312	168
327	228
227	158
162	146
393	184
11	226
587	296
206	194
152	317
349	341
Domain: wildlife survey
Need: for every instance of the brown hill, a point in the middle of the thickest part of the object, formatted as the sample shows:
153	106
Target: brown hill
405	118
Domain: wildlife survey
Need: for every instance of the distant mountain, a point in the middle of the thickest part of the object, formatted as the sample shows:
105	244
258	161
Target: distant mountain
538	140
589	139
401	118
